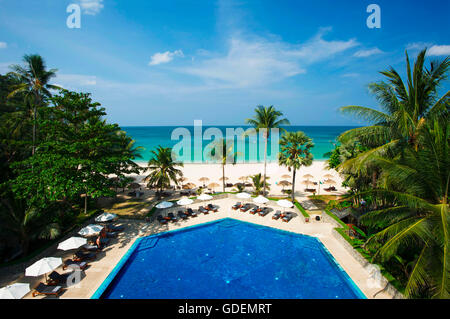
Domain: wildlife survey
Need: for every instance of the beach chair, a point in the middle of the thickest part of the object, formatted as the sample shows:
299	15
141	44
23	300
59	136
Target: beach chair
43	289
245	208
91	248
82	256
287	217
161	219
237	206
254	210
277	215
203	210
212	208
182	215
113	228
69	263
55	278
264	211
172	217
191	212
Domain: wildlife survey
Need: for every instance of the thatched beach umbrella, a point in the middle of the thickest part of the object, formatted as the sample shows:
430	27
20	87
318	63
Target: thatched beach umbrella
223	179
285	183
308	176
189	186
286	176
243	178
203	180
329	182
328	176
213	185
307	182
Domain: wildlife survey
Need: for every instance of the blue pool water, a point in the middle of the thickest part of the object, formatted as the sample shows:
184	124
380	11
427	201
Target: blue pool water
228	259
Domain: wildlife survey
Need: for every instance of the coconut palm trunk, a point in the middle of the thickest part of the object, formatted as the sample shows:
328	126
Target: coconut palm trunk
293	185
266	137
223	177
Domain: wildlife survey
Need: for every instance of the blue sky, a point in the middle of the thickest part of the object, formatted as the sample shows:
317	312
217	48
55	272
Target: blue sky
170	62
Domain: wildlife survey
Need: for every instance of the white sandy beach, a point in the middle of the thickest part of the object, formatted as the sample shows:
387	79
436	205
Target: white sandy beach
193	172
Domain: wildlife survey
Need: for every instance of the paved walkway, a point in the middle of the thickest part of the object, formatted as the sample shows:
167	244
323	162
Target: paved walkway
99	269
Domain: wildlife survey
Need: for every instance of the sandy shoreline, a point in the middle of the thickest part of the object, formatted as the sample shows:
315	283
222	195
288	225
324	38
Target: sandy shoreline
194	171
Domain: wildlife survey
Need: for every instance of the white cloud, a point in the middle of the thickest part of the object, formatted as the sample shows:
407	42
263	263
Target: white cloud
350	75
75	80
3	45
91	7
165	57
433	49
367	53
258	61
439	50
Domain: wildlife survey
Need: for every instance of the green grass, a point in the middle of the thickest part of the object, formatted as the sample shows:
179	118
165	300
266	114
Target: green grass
301	209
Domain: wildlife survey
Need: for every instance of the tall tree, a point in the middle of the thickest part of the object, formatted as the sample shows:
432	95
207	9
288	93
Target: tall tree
416	217
163	169
295	152
405	109
223	153
265	119
34	81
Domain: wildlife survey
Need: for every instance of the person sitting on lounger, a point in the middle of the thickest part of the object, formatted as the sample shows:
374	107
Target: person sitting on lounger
101	242
43	289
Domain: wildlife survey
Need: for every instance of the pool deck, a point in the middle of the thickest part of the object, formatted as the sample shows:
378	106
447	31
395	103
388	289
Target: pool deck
99	269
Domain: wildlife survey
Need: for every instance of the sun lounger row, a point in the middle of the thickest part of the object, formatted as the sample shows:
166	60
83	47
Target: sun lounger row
262	211
78	262
286	217
184	214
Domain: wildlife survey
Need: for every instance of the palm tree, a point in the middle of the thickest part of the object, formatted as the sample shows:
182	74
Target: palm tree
405	109
295	153
265	119
259	183
417	219
163	169
34	83
225	155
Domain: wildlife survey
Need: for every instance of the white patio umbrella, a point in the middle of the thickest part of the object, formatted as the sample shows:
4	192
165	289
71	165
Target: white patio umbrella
14	291
205	197
164	204
185	201
260	199
243	195
285	203
90	230
105	217
72	243
43	266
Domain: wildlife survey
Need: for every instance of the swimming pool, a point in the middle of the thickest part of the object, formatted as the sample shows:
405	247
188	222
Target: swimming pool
228	259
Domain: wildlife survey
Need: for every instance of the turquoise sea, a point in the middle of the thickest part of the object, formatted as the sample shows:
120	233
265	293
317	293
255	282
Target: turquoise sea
149	137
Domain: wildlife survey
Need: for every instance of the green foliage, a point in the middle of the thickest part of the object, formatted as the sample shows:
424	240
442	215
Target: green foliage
301	209
405	173
163	169
259	183
295	152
